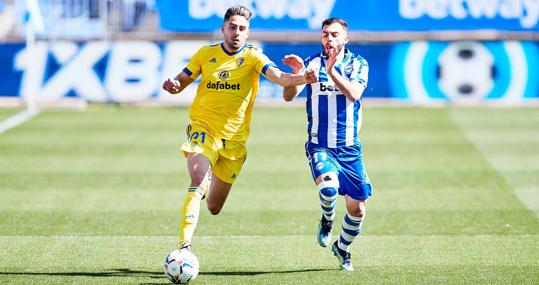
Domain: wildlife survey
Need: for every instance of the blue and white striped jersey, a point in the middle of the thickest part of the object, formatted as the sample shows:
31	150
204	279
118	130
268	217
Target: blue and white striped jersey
334	120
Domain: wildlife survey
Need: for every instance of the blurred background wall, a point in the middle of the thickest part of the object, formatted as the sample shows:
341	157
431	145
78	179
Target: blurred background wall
419	51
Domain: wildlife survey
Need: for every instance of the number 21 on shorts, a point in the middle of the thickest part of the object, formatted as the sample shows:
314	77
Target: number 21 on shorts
196	135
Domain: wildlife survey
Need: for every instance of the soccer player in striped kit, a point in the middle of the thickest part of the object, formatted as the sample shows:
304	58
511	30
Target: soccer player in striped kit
333	147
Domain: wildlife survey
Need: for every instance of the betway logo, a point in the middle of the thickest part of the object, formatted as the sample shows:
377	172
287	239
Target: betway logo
222	86
328	87
527	11
313	11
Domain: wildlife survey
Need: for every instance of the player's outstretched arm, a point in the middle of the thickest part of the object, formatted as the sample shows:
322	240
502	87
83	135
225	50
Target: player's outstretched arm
275	75
177	84
296	63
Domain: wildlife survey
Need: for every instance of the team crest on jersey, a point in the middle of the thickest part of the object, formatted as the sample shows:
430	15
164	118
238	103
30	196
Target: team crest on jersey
348	69
213	60
240	61
224	75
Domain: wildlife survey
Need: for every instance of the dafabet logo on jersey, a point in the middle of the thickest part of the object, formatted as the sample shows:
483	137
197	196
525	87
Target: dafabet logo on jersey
222	86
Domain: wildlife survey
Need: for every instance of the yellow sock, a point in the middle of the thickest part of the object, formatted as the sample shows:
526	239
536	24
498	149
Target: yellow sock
190	213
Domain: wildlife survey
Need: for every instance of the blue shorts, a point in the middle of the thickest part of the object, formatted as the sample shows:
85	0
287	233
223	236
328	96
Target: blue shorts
347	163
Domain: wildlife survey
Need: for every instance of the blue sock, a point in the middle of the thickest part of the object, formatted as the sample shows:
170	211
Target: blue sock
351	227
328	199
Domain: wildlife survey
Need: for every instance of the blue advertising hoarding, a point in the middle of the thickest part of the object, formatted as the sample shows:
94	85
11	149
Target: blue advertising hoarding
364	15
133	71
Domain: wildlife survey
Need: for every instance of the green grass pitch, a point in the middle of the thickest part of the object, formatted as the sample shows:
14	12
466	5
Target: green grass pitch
93	197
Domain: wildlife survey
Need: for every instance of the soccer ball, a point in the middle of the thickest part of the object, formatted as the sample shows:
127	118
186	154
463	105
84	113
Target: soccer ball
181	266
466	72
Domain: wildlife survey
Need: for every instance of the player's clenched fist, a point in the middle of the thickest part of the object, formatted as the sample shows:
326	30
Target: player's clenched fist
172	86
310	76
295	62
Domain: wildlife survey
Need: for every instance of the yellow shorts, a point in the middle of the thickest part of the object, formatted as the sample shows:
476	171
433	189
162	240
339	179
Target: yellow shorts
226	157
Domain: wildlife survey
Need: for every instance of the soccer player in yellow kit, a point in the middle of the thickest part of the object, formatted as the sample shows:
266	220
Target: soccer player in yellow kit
221	113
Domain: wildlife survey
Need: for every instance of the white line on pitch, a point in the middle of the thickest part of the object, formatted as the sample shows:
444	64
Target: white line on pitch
18	119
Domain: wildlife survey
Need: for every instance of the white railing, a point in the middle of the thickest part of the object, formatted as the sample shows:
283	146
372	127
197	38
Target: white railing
80	19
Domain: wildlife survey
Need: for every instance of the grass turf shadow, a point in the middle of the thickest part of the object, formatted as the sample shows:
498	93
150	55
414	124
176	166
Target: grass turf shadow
120	272
126	272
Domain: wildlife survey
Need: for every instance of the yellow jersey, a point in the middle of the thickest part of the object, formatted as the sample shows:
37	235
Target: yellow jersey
229	84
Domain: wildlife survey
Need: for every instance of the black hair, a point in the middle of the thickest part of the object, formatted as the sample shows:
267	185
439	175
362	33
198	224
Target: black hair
330	21
238	11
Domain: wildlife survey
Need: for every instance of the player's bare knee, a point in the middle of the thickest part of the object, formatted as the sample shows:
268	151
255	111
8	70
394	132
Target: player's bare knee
215	209
358	210
361	211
